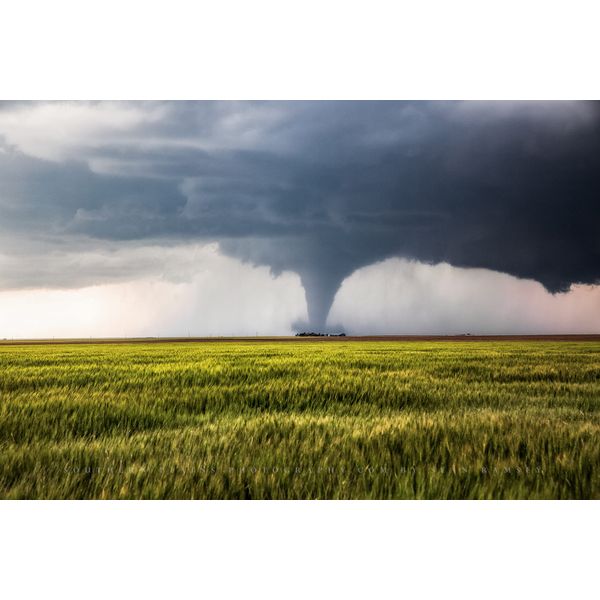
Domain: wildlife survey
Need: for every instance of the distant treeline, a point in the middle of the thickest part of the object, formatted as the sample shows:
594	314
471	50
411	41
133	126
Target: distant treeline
313	334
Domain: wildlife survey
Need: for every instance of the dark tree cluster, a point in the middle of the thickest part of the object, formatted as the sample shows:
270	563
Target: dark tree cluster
315	334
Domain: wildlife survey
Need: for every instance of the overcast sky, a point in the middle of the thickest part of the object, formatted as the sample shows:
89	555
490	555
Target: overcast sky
225	218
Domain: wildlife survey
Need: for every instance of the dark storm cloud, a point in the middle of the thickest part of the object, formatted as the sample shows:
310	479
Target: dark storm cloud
324	188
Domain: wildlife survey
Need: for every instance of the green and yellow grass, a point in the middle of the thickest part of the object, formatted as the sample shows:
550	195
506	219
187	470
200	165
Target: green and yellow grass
301	420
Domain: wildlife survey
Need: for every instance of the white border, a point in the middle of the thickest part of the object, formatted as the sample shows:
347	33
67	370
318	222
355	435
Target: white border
299	549
309	49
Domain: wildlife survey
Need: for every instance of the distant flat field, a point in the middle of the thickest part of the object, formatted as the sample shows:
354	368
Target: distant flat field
254	418
331	338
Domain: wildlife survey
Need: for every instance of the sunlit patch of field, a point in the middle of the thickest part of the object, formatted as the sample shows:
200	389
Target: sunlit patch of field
301	420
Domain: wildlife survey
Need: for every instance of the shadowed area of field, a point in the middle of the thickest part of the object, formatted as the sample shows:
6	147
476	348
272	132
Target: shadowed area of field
261	419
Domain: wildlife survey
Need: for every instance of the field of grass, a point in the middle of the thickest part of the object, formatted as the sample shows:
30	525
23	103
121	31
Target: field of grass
301	420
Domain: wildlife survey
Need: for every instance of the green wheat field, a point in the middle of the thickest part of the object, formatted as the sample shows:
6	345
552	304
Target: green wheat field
301	420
